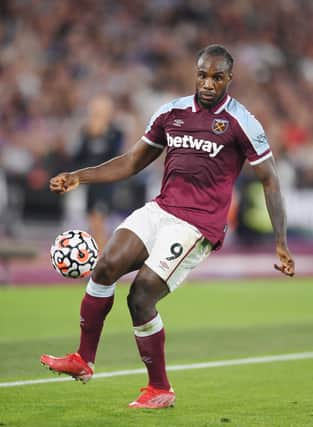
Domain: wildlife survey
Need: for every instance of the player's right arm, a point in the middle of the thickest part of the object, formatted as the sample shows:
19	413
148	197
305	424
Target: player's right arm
116	169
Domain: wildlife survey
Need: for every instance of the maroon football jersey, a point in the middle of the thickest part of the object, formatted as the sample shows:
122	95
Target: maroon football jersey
206	149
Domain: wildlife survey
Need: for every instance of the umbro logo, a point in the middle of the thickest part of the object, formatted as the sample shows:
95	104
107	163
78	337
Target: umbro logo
178	122
147	359
164	265
261	139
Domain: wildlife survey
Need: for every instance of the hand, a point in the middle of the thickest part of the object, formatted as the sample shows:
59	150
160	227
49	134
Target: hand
287	266
64	182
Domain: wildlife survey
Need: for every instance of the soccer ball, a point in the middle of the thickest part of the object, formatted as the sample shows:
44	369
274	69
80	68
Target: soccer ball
74	254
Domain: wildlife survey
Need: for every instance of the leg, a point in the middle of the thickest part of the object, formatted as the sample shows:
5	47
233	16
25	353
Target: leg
147	289
98	207
178	248
98	228
124	253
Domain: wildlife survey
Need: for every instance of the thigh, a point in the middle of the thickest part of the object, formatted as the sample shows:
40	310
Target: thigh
123	253
129	245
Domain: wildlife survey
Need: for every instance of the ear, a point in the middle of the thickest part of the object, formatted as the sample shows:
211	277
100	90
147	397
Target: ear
230	77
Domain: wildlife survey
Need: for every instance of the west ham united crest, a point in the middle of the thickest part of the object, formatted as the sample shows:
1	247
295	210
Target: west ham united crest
220	126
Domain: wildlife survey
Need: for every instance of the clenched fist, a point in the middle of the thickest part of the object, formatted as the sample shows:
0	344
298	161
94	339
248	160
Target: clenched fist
64	182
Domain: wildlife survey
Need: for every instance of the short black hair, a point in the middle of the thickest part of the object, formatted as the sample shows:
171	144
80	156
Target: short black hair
217	50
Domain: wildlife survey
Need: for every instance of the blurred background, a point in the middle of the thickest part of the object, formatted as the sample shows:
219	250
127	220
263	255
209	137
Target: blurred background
78	82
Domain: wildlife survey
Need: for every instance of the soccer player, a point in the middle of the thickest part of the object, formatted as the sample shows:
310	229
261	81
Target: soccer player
207	138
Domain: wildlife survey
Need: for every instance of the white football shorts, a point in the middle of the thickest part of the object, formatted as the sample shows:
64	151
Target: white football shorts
175	247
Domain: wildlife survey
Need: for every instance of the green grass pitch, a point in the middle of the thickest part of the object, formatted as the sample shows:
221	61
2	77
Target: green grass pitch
204	322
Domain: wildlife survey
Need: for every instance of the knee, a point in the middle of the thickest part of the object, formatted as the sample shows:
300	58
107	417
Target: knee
140	303
106	271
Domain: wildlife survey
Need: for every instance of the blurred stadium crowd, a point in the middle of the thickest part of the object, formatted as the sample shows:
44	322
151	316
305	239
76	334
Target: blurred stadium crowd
58	56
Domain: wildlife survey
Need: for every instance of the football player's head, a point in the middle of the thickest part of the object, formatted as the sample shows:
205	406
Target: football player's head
213	74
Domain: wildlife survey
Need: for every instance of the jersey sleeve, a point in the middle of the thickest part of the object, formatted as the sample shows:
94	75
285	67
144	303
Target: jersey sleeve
154	134
252	139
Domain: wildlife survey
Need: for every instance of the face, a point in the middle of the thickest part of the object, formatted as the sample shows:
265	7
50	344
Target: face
99	114
212	80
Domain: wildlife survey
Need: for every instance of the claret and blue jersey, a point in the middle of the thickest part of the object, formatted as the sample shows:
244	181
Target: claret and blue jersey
206	149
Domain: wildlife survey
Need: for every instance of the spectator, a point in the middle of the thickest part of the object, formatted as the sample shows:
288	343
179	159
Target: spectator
100	140
55	56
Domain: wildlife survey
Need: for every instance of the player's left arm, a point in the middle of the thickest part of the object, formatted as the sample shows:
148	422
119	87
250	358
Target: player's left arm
267	174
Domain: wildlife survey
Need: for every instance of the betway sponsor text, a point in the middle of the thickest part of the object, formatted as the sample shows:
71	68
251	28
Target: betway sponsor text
188	141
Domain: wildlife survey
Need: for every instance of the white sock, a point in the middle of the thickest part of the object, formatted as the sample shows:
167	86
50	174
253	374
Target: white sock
99	291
